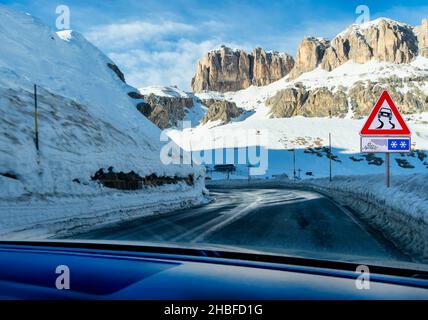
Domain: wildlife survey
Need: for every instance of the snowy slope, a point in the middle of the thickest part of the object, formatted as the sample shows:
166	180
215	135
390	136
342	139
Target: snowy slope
86	119
307	136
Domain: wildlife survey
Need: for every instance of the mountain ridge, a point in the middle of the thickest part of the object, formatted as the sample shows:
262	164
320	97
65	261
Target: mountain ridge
382	39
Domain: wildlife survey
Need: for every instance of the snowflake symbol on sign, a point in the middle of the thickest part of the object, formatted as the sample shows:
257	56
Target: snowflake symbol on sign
403	144
394	144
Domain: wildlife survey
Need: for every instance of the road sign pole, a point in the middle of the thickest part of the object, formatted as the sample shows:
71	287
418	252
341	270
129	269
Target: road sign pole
191	153
387	169
36	124
294	164
329	143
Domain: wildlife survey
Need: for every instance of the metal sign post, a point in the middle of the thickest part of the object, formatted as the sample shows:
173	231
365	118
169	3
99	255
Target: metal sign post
387	169
329	153
36	124
294	164
385	131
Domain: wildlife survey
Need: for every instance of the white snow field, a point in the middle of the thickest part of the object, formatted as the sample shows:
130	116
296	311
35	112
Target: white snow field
307	136
86	122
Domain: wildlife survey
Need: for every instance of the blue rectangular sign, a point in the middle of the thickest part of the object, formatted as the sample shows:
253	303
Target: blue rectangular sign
402	144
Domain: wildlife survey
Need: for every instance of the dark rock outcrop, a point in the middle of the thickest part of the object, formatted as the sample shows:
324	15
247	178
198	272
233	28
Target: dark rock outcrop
133	181
164	111
323	102
117	71
220	110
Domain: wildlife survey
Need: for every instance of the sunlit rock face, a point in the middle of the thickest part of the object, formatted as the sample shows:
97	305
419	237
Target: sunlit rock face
226	69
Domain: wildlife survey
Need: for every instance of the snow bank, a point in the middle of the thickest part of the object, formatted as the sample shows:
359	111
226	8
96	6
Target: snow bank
43	216
400	212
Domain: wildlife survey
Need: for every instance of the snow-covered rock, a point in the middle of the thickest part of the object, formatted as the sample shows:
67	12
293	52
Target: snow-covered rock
381	39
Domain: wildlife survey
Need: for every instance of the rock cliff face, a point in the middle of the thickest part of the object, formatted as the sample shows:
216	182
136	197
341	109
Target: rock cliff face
323	102
309	55
422	36
167	106
363	96
231	70
164	111
220	110
288	102
320	102
381	39
269	67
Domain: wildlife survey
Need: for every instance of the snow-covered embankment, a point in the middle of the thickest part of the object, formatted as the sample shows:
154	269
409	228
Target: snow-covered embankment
92	138
400	212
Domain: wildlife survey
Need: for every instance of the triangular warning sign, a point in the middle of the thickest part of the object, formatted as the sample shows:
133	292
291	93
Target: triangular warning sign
385	119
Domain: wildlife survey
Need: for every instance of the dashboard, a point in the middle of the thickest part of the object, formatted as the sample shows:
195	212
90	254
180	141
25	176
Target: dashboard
64	270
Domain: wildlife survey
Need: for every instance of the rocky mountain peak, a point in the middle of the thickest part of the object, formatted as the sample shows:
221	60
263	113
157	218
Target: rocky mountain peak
226	69
382	39
309	55
422	36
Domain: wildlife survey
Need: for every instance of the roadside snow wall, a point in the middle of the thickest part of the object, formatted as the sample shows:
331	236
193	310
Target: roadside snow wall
400	212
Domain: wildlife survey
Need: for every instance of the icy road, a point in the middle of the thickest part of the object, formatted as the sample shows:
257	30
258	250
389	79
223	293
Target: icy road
294	222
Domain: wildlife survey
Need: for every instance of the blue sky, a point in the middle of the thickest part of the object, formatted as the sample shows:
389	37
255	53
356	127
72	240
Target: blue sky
159	42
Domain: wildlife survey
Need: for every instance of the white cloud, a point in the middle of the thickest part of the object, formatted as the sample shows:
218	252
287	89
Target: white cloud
149	53
157	53
175	66
129	33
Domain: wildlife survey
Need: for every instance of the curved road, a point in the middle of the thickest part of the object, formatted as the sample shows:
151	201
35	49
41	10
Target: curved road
274	220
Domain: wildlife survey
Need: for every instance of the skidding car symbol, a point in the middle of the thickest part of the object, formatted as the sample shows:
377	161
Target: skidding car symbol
385	112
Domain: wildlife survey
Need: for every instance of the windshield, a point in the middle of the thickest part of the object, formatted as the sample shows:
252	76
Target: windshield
220	126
